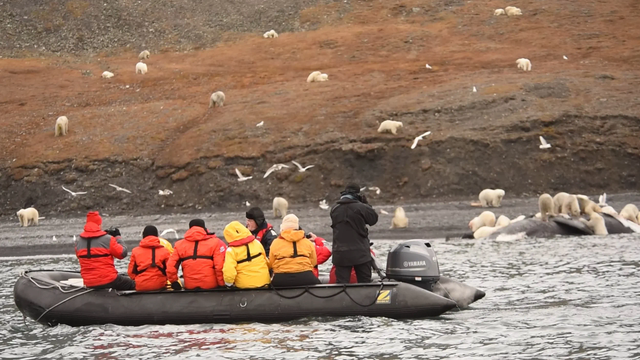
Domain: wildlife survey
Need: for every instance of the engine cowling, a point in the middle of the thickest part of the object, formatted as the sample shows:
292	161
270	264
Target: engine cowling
414	262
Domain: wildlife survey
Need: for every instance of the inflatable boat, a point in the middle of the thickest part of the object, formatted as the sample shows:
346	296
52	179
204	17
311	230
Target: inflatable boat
50	298
411	288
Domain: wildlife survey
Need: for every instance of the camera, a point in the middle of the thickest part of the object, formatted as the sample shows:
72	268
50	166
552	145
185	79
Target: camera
308	236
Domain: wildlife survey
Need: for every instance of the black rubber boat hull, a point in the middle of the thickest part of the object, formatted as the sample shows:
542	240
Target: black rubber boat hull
38	296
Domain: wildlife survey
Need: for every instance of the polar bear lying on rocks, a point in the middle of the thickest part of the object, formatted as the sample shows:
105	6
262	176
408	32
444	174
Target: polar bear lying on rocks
28	216
217	99
62	126
390	126
400	219
280	206
513	11
491	197
498	12
271	34
144	55
107	75
317	76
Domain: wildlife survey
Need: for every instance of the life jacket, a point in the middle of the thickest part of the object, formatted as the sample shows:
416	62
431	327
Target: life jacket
291	252
148	265
261	232
95	255
201	256
245	263
323	254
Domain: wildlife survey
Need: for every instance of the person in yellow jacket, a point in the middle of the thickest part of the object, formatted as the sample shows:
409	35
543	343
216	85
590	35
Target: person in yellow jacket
292	256
167	245
245	263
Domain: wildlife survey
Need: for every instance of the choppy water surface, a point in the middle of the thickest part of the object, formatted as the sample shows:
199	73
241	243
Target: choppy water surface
555	298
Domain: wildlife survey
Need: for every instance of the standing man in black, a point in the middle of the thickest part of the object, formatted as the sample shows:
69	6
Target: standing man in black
349	219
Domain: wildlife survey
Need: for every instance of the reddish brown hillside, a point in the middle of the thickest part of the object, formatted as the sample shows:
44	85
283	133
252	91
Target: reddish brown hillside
155	131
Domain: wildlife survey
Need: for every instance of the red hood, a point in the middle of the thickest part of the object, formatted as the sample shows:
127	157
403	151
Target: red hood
197	233
92	230
241	242
150	242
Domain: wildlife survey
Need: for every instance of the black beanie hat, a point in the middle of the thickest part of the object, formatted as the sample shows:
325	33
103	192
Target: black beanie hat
352	189
197	222
149	230
256	215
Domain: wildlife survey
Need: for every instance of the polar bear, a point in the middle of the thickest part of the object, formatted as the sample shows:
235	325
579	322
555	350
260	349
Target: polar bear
271	34
280	206
399	219
491	197
485	231
570	206
596	224
27	216
587	204
312	77
322	77
558	200
502	221
217	99
390	126
144	55
107	75
519	218
141	68
545	205
609	210
498	12
524	64
486	218
62	126
512	11
630	212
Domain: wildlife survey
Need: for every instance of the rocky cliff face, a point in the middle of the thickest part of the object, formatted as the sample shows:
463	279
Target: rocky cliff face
156	131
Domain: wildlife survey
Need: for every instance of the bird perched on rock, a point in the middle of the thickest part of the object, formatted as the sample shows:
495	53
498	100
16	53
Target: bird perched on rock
165	192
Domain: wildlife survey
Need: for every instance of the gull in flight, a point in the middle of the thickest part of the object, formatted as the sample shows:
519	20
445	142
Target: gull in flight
428	66
545	144
323	205
383	212
261	123
165	192
363	189
275	167
247	203
376	189
415	141
565	57
74	193
170	231
602	200
474	89
118	188
242	177
300	168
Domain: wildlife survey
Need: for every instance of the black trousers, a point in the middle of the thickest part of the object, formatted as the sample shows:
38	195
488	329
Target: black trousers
122	282
363	273
294	279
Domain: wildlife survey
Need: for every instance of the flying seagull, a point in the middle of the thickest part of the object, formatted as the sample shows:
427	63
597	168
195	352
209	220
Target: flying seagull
323	205
275	167
545	144
376	189
261	123
118	188
415	141
165	192
565	57
300	168
74	193
383	212
247	203
428	66
170	231
242	177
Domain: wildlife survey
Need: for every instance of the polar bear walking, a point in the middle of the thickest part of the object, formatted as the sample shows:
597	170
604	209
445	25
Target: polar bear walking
217	99
524	64
390	126
62	126
400	219
491	197
141	68
28	216
280	207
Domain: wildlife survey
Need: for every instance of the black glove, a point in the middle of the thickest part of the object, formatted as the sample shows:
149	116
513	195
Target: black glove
113	232
176	285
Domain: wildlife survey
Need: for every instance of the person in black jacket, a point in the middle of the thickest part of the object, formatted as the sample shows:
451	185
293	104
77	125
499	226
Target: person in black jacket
260	228
351	248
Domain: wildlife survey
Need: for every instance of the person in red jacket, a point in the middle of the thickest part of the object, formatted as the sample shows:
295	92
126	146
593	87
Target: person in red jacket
323	253
148	265
260	228
201	255
353	279
95	250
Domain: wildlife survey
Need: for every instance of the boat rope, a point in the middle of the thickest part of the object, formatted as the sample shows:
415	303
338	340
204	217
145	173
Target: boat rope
74	287
62	302
343	289
445	290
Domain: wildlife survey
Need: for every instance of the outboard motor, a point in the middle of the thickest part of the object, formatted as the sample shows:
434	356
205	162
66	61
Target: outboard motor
414	262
